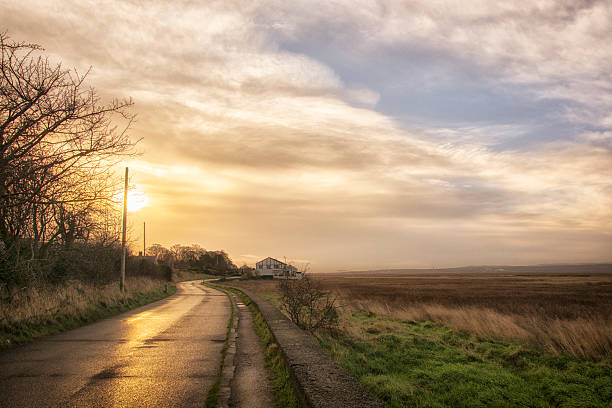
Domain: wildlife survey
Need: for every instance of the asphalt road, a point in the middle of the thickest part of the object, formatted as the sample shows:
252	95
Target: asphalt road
162	355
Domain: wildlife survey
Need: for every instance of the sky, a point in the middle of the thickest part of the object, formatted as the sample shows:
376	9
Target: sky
356	134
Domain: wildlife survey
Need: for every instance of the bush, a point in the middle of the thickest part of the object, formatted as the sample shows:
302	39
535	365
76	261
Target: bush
143	267
87	262
248	273
307	304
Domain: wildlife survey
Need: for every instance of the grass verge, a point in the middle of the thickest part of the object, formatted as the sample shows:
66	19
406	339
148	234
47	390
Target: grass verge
423	364
40	312
213	394
181	275
284	394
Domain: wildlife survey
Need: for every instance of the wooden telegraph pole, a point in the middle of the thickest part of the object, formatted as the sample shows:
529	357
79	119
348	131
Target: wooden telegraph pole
144	239
123	233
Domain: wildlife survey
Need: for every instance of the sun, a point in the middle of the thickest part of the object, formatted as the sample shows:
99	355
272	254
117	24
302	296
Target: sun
136	200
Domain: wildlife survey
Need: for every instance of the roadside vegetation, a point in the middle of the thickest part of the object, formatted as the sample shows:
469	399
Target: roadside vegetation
471	340
181	275
307	305
36	312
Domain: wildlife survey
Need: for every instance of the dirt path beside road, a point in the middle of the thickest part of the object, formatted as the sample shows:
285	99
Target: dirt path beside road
250	385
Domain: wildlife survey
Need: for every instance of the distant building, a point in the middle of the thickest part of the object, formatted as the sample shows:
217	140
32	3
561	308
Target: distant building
273	268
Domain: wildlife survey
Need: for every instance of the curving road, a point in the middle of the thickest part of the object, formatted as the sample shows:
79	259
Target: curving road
162	355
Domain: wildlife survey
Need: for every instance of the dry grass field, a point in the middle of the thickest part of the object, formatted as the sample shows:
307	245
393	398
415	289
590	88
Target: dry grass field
565	312
561	312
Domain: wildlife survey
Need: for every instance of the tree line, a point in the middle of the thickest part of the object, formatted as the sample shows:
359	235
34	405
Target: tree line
58	145
193	258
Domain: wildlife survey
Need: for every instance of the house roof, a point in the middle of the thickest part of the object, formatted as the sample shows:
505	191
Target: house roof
276	260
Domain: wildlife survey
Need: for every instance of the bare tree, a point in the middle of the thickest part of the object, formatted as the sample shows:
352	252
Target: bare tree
307	304
58	143
163	254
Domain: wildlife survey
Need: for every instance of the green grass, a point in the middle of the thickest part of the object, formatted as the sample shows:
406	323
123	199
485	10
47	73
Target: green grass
284	394
28	330
182	275
422	364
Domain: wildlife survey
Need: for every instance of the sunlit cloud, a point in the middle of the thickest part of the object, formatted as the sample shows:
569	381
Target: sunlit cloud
357	135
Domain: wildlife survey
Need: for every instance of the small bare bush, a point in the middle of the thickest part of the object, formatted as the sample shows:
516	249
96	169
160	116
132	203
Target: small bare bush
307	305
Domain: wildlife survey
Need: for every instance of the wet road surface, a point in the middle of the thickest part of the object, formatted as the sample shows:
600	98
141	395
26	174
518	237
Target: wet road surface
162	355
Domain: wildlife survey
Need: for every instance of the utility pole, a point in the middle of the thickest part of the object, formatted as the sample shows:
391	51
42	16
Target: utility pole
144	239
123	234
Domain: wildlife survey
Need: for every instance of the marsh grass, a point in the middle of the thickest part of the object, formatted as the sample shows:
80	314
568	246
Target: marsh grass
423	364
557	313
29	313
586	338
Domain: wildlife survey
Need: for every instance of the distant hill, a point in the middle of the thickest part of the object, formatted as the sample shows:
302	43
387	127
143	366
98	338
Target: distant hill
548	268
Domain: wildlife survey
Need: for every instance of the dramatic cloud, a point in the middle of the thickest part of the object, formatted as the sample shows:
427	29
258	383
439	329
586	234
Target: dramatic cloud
348	135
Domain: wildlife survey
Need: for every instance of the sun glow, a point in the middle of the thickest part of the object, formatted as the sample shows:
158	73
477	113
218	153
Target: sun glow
136	200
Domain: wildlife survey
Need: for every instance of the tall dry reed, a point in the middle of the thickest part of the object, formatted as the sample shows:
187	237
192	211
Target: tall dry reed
590	338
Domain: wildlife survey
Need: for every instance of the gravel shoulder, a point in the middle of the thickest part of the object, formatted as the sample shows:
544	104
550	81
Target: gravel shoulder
250	385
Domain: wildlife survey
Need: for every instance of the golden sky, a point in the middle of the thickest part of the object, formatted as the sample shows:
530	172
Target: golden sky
356	135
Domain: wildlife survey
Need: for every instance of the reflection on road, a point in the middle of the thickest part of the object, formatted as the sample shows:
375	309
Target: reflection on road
160	355
147	324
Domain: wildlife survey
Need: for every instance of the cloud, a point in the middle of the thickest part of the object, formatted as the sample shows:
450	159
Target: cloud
358	135
494	59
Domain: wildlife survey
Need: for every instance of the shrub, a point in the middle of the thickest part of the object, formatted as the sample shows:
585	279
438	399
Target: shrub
143	267
307	304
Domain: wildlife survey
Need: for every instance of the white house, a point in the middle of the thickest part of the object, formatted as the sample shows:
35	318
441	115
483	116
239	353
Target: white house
273	268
